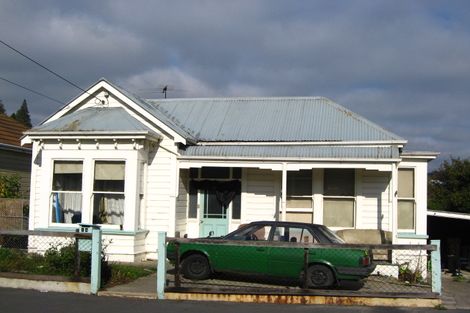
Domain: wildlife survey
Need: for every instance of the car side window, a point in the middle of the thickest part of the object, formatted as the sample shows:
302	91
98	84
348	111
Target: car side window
293	234
307	236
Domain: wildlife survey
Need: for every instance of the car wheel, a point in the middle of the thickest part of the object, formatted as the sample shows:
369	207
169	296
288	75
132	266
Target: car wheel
196	266
320	276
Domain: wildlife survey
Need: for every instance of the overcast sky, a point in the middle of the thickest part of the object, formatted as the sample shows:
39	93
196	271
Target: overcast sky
402	64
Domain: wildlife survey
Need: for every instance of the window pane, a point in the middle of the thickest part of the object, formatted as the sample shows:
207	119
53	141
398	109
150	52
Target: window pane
109	185
299	217
299	183
109	176
108	209
105	170
406	183
299	203
236	172
338	212
192	210
339	182
215	172
68	167
66	207
213	207
406	214
67	176
194	172
236	207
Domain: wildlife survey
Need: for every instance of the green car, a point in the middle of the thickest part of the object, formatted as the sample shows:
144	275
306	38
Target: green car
274	249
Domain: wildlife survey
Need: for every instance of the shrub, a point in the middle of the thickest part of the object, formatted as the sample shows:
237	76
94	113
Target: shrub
9	186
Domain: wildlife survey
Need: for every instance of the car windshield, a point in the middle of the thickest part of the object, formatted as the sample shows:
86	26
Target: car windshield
329	234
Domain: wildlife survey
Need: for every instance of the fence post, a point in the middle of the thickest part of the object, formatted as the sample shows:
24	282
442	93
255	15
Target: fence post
95	259
161	265
436	267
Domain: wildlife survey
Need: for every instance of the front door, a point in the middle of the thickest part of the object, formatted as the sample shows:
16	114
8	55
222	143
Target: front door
214	217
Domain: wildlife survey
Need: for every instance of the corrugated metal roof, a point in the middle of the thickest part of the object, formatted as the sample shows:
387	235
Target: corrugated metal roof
270	119
293	151
101	119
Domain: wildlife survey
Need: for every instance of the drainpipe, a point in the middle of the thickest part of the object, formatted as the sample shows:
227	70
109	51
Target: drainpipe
284	191
394	188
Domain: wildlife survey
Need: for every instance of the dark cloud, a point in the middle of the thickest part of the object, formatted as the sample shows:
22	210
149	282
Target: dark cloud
402	64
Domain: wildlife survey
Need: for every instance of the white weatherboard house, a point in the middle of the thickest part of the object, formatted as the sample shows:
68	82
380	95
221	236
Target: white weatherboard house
192	166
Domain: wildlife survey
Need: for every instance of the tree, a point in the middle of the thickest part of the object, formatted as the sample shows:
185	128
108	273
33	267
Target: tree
2	108
22	115
449	186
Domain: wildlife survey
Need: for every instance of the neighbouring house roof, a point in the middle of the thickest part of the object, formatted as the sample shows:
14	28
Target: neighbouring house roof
447	214
11	131
94	120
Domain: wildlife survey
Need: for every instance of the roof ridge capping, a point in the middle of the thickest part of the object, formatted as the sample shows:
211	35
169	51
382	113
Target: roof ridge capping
250	98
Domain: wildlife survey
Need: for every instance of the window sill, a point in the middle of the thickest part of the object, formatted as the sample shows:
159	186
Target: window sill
105	231
411	236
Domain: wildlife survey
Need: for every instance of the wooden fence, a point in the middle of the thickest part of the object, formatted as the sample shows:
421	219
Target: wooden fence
14	214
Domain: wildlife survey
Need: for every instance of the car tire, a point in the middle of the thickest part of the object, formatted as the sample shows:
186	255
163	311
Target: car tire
196	267
320	276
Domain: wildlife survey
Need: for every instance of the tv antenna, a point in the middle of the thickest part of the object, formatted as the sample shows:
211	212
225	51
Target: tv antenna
162	89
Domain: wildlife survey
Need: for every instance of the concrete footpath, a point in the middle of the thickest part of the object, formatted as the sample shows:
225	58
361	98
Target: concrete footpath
144	287
456	291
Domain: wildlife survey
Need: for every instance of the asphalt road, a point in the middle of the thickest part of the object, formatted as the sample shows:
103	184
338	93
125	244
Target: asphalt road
18	300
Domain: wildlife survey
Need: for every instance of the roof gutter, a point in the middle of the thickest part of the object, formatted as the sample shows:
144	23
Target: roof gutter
30	136
5	146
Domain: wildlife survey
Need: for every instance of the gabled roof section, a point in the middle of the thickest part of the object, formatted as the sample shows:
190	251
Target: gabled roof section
296	119
94	120
180	129
133	103
11	131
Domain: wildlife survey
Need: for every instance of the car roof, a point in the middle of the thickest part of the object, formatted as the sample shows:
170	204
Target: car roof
299	224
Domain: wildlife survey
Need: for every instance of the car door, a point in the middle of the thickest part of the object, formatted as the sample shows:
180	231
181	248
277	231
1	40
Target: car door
249	256
288	261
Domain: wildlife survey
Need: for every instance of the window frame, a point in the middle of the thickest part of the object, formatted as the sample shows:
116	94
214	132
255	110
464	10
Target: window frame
352	197
299	197
102	192
407	199
52	191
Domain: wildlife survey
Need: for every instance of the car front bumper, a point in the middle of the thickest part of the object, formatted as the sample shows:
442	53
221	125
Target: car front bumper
356	271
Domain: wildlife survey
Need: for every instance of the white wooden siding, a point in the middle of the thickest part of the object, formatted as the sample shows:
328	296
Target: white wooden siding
259	199
375	205
160	175
35	196
182	202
